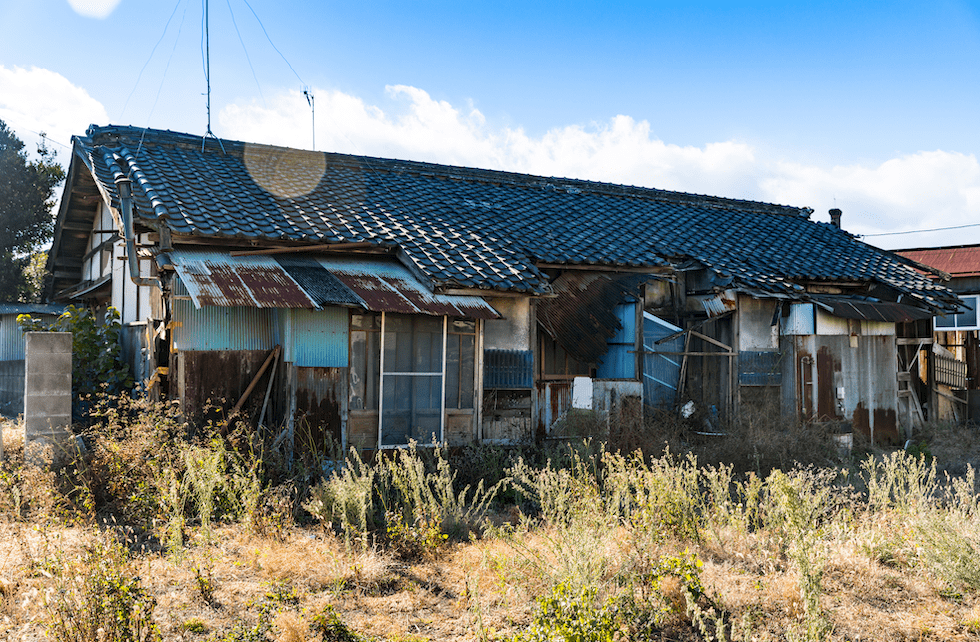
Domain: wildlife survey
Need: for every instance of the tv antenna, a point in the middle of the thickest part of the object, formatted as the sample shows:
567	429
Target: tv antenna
309	99
207	78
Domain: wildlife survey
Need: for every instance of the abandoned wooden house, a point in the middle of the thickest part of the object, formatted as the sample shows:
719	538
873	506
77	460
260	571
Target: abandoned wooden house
954	387
381	300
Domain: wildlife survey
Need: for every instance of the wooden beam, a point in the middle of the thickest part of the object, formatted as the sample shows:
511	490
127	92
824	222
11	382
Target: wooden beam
306	248
695	354
713	342
652	270
80	227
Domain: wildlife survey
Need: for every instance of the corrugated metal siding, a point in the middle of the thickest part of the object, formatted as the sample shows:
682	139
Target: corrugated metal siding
320	401
507	369
756	368
11	339
619	362
222	328
661	372
318	338
800	320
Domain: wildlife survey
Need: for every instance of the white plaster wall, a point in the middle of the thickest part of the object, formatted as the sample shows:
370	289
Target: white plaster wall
513	331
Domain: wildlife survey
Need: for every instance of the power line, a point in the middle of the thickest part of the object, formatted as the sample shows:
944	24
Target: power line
249	60
934	229
153	51
270	41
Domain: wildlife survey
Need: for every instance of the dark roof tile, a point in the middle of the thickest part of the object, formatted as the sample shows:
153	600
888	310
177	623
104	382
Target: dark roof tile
477	228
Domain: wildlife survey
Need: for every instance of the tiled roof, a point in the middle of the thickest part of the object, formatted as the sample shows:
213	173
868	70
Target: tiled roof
957	261
473	228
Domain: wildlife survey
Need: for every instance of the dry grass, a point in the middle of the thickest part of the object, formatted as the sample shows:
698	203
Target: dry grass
486	589
474	588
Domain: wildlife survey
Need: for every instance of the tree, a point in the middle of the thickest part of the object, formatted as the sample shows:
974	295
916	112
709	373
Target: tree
27	196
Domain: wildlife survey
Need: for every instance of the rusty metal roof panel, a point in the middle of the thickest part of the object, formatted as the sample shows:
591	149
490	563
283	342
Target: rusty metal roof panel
218	279
215	278
386	286
960	261
582	319
850	308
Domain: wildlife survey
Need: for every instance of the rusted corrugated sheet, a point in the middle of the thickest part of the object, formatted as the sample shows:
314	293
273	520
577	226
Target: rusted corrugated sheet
320	396
846	308
386	286
963	260
218	279
582	318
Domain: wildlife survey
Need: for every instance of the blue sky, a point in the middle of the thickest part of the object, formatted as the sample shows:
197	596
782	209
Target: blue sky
870	107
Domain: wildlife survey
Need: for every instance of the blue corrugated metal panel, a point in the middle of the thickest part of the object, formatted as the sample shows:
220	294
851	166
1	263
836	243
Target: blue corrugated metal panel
801	320
11	339
661	372
222	328
318	338
619	362
757	368
507	368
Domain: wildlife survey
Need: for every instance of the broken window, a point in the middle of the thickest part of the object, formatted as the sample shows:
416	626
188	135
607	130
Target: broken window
557	363
410	369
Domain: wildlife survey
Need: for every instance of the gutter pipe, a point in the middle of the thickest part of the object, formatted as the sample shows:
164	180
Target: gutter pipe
125	187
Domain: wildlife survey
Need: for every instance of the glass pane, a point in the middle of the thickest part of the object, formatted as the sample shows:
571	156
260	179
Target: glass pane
364	358
467	352
411	409
372	371
948	321
358	348
968	319
462	326
365	321
452	371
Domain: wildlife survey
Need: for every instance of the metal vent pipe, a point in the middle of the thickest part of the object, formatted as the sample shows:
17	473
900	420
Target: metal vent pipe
125	187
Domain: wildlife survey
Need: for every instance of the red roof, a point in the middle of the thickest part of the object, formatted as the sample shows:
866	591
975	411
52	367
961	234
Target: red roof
960	260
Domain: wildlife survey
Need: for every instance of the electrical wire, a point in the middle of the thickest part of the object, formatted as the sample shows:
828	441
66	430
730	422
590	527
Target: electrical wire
153	51
270	41
180	28
934	229
247	59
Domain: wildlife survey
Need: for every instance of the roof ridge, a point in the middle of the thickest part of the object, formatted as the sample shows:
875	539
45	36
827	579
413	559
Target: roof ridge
99	135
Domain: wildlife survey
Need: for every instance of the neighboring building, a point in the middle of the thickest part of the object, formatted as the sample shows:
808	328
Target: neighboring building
12	352
957	371
414	300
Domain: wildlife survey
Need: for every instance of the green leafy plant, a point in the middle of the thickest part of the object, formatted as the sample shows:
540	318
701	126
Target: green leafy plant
328	627
568	615
100	599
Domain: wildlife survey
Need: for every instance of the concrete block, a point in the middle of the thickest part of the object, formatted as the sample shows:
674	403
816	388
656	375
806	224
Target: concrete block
45	383
48	342
51	363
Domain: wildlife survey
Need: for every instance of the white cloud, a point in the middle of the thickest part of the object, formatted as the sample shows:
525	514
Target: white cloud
40	100
94	8
915	191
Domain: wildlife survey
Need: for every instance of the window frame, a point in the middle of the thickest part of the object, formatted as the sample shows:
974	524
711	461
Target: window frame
956	327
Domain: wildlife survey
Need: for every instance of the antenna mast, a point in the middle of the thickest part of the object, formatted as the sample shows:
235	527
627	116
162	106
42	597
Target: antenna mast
309	99
207	77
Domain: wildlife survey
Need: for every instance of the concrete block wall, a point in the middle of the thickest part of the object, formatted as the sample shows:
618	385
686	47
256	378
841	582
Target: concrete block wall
47	393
